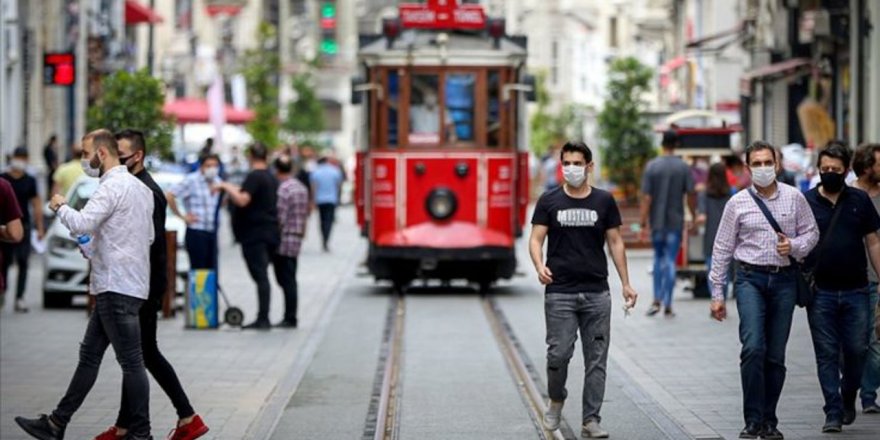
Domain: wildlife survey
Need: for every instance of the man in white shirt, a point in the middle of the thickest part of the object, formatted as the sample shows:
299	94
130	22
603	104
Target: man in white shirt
118	219
424	118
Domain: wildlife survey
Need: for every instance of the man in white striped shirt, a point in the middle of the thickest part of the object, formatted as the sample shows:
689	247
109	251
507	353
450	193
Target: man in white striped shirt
118	218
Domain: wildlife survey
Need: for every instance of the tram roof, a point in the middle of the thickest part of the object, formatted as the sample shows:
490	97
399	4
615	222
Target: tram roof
422	48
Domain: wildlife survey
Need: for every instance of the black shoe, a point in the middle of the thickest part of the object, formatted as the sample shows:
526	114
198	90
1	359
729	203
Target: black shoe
771	433
286	324
655	309
41	428
133	437
832	425
849	416
752	430
258	325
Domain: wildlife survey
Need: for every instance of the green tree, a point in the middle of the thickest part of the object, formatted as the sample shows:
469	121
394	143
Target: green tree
133	100
305	116
548	128
260	73
626	137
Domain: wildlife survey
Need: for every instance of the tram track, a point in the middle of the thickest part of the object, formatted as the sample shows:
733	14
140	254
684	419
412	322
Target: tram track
384	414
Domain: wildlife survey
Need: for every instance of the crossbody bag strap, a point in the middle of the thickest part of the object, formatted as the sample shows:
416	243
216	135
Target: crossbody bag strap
771	220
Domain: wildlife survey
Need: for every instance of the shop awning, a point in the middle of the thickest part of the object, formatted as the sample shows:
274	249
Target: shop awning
794	66
196	110
136	13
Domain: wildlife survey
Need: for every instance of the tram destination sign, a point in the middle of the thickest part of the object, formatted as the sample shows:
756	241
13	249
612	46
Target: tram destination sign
442	14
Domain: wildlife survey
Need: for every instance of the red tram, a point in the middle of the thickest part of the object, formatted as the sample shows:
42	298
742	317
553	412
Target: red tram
442	183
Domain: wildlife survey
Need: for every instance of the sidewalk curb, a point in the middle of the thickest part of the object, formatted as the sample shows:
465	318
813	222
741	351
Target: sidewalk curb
673	418
263	426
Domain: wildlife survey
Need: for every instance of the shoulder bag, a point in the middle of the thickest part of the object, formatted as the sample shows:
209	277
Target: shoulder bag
806	284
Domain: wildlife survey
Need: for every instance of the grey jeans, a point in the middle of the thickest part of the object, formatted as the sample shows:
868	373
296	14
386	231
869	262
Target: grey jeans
565	314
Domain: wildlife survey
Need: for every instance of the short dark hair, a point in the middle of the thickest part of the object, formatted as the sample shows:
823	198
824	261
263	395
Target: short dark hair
865	158
209	156
107	140
759	146
135	137
670	139
577	147
258	151
20	152
283	164
836	150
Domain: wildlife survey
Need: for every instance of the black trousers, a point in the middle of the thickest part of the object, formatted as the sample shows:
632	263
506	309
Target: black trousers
257	255
159	368
285	273
17	253
201	246
327	212
114	322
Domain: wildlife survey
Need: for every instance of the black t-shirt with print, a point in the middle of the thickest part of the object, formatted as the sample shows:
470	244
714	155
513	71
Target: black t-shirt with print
576	238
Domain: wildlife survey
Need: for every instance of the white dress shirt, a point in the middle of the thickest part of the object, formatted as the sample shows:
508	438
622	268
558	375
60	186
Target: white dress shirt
119	218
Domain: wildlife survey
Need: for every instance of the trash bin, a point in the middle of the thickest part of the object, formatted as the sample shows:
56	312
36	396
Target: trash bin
201	299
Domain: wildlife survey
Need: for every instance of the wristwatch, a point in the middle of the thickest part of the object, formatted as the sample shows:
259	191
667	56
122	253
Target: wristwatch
55	209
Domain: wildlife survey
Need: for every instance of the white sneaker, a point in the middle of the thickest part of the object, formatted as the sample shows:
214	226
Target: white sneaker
20	306
553	416
592	429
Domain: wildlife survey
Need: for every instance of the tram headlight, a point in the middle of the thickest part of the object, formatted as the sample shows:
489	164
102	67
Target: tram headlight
441	203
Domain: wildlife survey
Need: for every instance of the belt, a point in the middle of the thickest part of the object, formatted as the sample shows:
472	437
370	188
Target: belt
765	269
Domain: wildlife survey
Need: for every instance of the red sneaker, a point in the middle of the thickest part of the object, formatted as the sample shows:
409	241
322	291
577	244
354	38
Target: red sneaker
109	434
192	430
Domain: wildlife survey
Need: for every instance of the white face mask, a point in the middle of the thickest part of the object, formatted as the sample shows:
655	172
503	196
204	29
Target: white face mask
211	173
87	168
18	164
763	176
574	175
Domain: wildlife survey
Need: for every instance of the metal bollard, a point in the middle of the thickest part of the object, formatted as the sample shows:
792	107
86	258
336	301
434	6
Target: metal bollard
171	274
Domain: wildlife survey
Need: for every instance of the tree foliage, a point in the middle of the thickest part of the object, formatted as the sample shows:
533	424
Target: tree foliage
305	116
625	133
261	73
133	100
547	128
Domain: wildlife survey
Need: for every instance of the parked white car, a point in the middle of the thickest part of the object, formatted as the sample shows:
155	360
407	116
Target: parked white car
66	271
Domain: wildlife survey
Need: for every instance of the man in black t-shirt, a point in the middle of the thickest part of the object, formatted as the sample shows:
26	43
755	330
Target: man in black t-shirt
25	187
577	220
840	311
255	225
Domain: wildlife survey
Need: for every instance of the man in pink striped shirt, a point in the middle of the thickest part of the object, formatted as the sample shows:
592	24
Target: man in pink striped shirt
765	285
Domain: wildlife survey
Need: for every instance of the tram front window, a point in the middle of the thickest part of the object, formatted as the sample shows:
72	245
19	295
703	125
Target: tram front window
424	112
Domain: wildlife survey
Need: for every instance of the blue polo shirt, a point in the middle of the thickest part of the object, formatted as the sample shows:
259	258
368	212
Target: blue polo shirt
843	265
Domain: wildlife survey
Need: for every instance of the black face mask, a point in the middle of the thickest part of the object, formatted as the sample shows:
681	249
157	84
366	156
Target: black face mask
833	182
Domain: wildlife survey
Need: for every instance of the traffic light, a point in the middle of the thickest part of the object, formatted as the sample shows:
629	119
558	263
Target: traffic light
329	45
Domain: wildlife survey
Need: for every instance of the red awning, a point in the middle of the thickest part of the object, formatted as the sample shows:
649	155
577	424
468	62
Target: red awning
196	110
136	13
781	68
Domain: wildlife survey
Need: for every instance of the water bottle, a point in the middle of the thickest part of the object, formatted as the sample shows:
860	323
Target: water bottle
85	245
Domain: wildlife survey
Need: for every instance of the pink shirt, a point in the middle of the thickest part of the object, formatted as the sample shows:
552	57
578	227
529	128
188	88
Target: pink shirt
745	234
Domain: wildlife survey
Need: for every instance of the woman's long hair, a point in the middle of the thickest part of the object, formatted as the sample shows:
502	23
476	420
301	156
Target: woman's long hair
716	185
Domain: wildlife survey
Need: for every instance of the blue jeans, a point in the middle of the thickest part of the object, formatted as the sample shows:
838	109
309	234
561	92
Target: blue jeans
116	322
666	244
565	315
871	376
765	302
839	323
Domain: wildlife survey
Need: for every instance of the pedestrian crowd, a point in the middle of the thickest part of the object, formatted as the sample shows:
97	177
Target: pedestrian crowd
122	227
778	247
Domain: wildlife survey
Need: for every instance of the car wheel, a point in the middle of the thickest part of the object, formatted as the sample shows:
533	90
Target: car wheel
56	300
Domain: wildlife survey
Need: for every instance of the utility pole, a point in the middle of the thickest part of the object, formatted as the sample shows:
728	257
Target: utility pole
82	71
150	54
